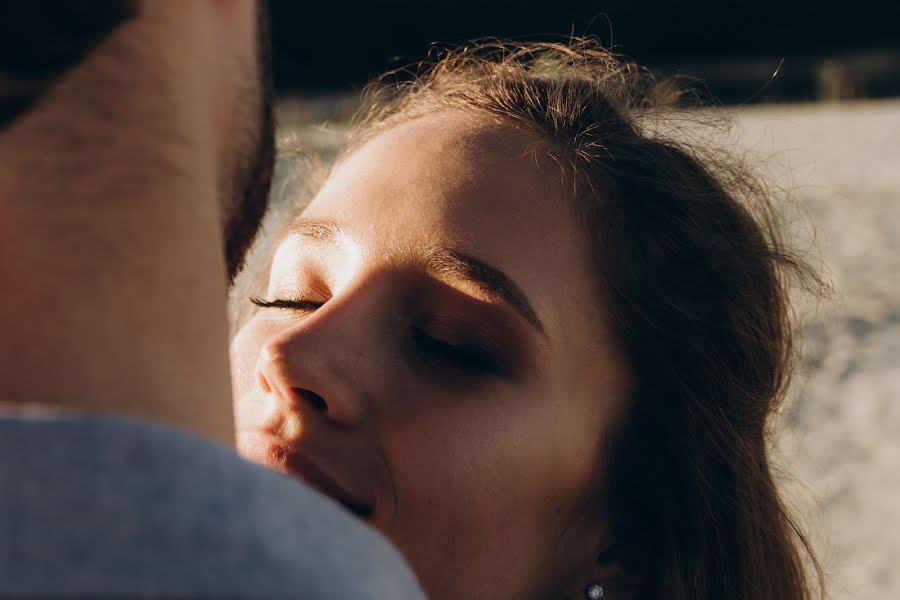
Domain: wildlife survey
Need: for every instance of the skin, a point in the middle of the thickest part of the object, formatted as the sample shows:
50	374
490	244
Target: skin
127	165
447	418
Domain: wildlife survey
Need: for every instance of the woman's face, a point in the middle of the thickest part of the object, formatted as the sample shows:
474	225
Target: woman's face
433	354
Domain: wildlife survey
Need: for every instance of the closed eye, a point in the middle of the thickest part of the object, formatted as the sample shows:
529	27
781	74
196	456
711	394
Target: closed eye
287	303
463	357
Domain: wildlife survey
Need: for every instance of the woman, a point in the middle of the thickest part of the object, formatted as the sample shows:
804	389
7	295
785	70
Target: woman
532	341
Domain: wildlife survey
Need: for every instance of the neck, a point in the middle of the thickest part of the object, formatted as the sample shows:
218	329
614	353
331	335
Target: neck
110	236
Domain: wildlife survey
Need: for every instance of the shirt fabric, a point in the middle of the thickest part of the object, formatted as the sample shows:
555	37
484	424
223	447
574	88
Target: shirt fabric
104	506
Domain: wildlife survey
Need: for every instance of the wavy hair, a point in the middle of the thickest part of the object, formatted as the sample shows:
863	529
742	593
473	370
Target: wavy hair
695	275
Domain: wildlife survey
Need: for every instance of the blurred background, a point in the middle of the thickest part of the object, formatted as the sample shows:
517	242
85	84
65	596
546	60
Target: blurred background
831	50
813	91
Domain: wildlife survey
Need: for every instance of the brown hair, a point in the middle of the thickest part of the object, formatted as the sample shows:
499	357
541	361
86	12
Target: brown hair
42	39
690	262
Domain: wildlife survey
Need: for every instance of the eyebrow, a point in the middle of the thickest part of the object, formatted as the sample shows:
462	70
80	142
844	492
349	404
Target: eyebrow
314	229
447	261
443	261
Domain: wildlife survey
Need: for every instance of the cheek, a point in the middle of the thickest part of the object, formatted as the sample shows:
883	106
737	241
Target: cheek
244	353
486	488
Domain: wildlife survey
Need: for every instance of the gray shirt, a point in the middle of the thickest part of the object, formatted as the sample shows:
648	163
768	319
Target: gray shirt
109	506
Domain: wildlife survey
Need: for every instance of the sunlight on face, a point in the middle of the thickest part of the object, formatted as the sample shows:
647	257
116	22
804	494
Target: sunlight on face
432	352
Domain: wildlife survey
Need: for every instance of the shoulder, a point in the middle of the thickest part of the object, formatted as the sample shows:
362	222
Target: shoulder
116	506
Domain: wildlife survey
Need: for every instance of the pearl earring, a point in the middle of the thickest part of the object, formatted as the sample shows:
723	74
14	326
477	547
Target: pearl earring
594	592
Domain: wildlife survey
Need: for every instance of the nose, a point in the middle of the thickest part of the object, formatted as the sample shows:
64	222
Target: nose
314	372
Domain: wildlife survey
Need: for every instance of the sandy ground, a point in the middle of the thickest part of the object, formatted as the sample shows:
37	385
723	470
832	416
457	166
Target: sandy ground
841	433
839	439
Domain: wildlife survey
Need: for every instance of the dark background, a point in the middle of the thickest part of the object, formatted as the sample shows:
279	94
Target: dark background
829	49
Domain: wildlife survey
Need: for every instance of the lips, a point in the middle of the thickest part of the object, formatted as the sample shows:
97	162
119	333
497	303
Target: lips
269	451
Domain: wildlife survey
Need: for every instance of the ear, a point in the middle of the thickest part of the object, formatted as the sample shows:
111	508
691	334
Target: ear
601	569
596	559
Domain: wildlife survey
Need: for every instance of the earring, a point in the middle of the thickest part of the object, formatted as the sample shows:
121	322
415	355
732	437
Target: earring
594	591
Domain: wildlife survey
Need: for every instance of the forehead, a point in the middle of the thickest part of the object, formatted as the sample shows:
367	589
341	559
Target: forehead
446	161
477	186
458	178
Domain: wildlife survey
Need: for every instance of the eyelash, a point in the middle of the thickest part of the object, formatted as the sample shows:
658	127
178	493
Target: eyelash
440	353
290	304
467	358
